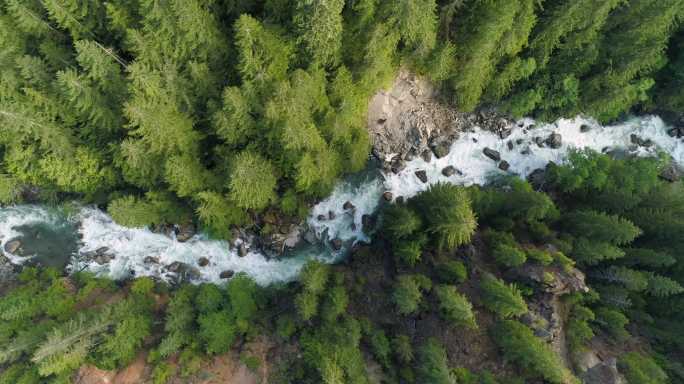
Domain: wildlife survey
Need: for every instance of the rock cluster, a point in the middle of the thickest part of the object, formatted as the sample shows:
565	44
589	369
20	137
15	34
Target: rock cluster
406	122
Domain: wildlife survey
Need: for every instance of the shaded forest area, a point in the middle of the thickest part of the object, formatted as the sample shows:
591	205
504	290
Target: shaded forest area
213	111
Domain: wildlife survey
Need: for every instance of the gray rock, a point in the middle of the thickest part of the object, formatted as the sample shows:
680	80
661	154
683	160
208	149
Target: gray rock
331	215
397	165
387	196
399	200
584	128
441	150
449	171
185	232
310	237
176	267
321	217
555	140
510	145
242	250
671	173
603	373
640	141
13	246
519	141
348	206
526	151
151	260
336	244
492	154
103	258
503	165
426	155
422	176
539	141
226	274
203	262
504	133
367	223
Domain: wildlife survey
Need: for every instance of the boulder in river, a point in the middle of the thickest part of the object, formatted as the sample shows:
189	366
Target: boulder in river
13	247
227	274
503	165
449	171
441	150
509	145
321	217
426	155
584	128
555	140
203	262
151	260
492	154
422	176
242	250
348	206
504	133
387	196
185	232
331	215
336	243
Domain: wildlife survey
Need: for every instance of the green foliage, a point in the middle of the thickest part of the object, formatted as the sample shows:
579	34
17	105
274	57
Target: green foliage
408	293
601	227
399	222
578	330
639	368
252	182
613	322
432	364
452	271
409	251
402	348
505	249
521	347
445	210
455	307
217	330
500	298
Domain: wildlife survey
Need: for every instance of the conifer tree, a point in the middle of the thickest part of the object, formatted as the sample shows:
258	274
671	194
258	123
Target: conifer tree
455	307
504	300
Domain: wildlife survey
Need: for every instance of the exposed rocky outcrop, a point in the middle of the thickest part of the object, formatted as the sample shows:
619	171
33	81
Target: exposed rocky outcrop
605	372
408	120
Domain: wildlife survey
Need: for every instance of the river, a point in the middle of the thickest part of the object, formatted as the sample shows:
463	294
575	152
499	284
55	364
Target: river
62	236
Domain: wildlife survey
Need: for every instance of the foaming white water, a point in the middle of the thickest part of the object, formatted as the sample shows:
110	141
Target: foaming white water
17	216
131	246
346	225
467	155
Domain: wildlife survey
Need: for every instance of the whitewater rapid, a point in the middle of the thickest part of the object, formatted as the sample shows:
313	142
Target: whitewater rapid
131	246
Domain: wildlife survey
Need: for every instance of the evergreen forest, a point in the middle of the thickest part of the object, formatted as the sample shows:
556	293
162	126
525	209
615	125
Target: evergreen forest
213	111
216	113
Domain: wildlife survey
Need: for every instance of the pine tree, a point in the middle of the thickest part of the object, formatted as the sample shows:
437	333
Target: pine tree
455	307
520	346
432	364
319	28
601	227
446	212
504	300
399	221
